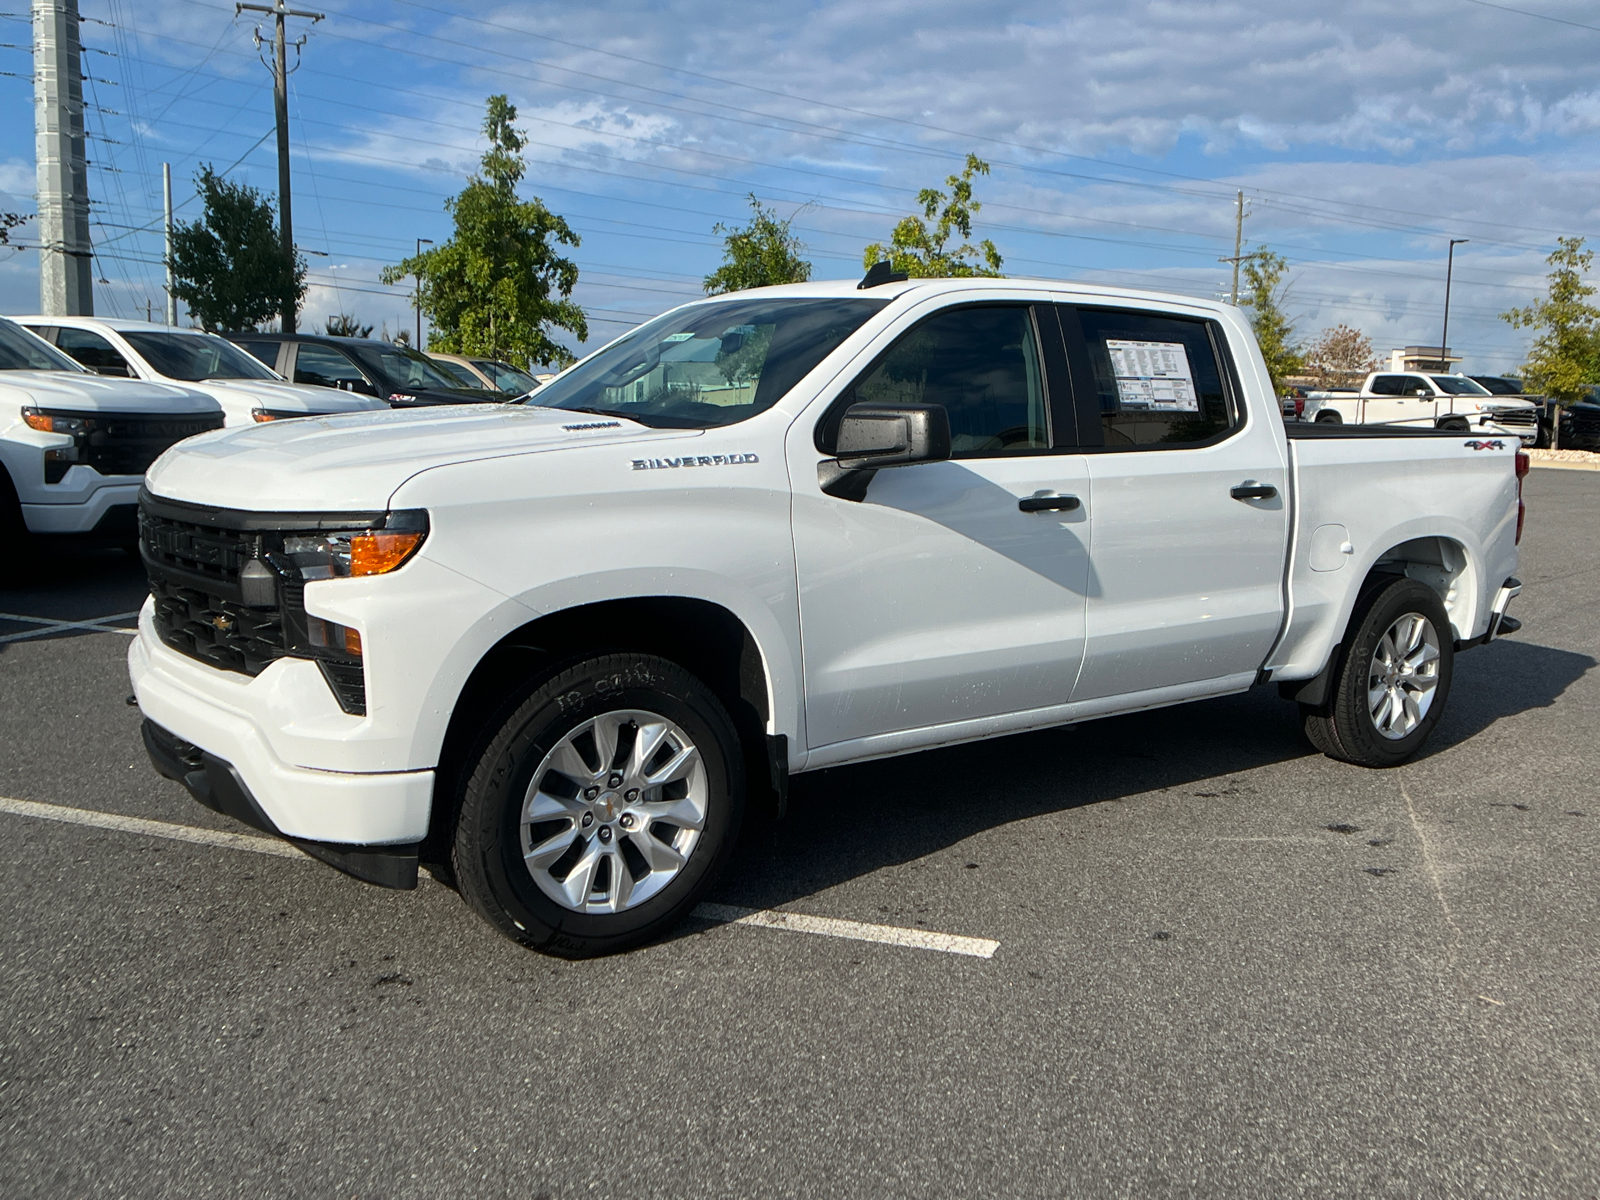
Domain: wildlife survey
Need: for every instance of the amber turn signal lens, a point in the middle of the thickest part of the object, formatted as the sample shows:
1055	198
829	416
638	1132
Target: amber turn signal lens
352	642
262	414
38	420
378	553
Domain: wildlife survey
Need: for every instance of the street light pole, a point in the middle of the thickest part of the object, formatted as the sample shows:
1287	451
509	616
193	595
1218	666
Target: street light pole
1444	338
416	295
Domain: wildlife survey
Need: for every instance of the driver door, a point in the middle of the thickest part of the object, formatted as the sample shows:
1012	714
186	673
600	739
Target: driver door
935	600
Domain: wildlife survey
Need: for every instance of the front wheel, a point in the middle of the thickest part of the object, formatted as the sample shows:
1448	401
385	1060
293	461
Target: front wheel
602	809
1392	681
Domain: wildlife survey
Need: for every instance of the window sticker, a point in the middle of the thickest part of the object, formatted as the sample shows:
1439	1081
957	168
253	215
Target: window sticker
1153	375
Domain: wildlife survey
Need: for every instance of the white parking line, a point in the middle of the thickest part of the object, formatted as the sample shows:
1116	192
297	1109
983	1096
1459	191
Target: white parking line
93	625
721	914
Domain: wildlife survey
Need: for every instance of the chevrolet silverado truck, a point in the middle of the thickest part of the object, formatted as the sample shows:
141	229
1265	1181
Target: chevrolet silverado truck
1419	400
74	447
554	650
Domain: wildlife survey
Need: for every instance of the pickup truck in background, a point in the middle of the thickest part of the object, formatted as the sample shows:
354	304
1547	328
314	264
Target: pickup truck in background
247	389
74	447
555	649
1424	401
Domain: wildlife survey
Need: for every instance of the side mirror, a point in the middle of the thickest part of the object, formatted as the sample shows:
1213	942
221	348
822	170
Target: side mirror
872	436
1424	394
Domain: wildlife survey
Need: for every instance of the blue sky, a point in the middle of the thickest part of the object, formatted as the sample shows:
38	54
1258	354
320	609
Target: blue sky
1364	135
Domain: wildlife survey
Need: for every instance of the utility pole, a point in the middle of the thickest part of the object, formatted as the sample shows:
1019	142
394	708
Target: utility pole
1238	246
416	296
280	109
66	279
1444	338
166	193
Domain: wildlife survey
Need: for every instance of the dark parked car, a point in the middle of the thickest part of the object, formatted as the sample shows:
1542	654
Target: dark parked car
1580	424
397	374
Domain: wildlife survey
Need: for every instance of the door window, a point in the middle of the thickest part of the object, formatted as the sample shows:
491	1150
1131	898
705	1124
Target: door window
1389	385
93	351
267	352
1155	377
323	366
982	364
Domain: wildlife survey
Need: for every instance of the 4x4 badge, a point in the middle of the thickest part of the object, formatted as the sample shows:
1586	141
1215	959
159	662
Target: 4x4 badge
1496	444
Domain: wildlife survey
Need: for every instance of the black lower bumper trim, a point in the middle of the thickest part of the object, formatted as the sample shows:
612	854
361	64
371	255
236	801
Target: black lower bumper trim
215	783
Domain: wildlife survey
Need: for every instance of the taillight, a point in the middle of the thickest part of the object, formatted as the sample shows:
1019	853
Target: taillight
1299	408
1524	464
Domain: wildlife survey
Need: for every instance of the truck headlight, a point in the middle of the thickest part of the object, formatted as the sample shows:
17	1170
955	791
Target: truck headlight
54	423
377	549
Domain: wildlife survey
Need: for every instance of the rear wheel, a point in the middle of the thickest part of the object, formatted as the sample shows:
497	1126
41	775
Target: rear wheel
1455	425
1392	681
602	809
1328	417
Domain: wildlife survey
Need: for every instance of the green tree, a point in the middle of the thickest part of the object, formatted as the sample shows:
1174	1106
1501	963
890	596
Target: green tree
229	267
499	286
759	254
924	253
345	325
1565	354
1264	297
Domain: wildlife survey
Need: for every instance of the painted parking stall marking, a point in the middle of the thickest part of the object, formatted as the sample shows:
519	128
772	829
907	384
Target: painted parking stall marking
49	626
717	914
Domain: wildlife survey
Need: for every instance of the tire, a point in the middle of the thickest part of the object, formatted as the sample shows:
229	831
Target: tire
1455	425
542	784
16	543
1355	727
1329	417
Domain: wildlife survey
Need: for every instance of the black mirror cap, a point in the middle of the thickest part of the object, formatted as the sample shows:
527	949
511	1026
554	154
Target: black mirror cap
881	272
892	435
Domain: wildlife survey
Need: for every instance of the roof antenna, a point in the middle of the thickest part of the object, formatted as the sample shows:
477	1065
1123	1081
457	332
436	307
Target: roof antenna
879	273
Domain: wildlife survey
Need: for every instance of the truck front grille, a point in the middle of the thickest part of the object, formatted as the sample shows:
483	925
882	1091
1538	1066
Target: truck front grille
1515	417
193	558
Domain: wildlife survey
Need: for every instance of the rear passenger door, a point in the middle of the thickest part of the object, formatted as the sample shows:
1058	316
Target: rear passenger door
1189	510
325	366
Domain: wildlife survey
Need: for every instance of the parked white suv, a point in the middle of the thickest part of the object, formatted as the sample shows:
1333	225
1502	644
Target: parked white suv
74	447
248	390
558	646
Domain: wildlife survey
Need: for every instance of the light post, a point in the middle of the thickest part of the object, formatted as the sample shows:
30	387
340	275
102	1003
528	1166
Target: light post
1444	338
416	296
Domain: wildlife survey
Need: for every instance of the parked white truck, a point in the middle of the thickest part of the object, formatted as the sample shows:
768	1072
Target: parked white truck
248	390
74	447
1425	401
558	648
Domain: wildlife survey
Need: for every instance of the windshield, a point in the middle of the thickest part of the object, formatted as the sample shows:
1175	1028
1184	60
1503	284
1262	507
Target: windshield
408	369
22	351
506	377
462	376
1498	385
1459	385
196	356
708	364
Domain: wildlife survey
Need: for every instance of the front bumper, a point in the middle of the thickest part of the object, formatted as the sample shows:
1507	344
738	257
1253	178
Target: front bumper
216	783
115	502
237	720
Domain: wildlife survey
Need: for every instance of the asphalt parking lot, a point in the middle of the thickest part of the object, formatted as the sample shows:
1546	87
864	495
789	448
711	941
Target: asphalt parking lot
1225	965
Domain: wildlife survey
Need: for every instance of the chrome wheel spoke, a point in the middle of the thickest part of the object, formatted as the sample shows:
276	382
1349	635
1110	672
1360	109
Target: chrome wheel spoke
1403	676
590	837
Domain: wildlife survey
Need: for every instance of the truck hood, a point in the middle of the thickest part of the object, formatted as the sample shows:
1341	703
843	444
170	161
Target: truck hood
287	397
69	391
356	462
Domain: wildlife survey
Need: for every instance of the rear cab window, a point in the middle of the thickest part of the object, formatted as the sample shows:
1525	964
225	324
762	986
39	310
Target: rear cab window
1147	380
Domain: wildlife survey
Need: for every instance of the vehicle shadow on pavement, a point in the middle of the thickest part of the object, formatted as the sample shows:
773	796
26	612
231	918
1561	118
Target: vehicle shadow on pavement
846	822
69	584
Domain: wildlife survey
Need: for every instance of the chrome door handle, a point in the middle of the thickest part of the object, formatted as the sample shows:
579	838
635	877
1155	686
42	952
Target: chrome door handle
1253	491
1048	503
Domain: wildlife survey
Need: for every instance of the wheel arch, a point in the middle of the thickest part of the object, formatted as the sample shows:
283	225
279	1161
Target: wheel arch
1445	565
705	638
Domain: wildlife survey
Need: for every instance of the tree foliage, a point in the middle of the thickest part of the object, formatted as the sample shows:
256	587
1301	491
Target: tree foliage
1565	354
345	325
925	253
760	254
1340	356
499	286
8	222
229	267
1264	297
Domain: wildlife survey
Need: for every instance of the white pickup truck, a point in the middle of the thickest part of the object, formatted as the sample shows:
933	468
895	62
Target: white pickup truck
1424	401
558	647
74	447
